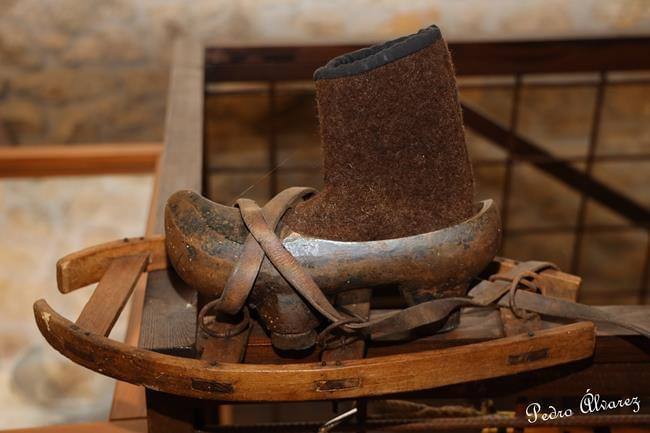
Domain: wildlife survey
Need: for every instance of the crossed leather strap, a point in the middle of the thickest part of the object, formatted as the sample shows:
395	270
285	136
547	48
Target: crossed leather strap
502	290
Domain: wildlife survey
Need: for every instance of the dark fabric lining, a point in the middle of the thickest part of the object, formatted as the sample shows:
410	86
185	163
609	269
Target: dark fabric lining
366	59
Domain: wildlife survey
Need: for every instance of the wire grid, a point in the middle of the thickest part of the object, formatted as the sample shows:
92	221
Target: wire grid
278	106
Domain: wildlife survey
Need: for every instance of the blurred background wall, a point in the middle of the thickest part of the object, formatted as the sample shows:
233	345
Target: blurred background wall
96	71
40	221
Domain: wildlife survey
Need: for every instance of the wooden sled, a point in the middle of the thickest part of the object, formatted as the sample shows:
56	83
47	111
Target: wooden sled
118	265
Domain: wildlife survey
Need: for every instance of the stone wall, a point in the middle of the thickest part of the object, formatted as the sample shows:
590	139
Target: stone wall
96	70
41	220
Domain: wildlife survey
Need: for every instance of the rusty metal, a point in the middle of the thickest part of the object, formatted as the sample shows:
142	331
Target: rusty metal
645	275
562	171
591	152
511	146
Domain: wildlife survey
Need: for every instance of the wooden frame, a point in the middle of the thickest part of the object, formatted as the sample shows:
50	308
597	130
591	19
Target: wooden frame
128	426
180	168
279	63
314	381
117	265
79	159
125	259
515	67
85	342
470	58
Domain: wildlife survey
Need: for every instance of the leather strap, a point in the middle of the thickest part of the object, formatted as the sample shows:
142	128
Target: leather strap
556	307
284	262
242	278
502	290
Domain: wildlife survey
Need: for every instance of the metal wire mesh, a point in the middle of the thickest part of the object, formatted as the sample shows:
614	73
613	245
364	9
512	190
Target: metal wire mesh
549	141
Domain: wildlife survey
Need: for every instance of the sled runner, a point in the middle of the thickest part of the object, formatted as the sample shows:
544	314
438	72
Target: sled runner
118	265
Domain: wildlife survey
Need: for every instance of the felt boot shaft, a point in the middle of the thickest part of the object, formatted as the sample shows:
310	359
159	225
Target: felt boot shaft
395	165
395	159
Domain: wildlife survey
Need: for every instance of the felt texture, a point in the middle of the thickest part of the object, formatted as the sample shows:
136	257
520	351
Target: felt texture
395	161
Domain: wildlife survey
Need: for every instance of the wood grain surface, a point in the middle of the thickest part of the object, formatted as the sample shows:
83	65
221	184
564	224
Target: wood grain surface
87	266
78	159
315	381
107	301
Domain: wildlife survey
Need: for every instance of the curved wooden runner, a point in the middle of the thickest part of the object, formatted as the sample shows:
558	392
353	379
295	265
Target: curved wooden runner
314	381
118	265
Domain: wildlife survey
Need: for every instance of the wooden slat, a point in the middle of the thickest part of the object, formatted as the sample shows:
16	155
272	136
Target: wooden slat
513	325
78	159
182	159
170	307
215	350
132	426
128	399
552	283
87	266
5	136
470	58
475	325
169	315
550	56
181	168
114	289
227	349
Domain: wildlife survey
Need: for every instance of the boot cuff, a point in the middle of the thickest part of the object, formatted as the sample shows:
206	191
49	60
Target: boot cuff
367	59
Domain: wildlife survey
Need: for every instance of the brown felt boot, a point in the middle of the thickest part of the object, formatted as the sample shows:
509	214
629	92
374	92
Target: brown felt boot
395	165
395	160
